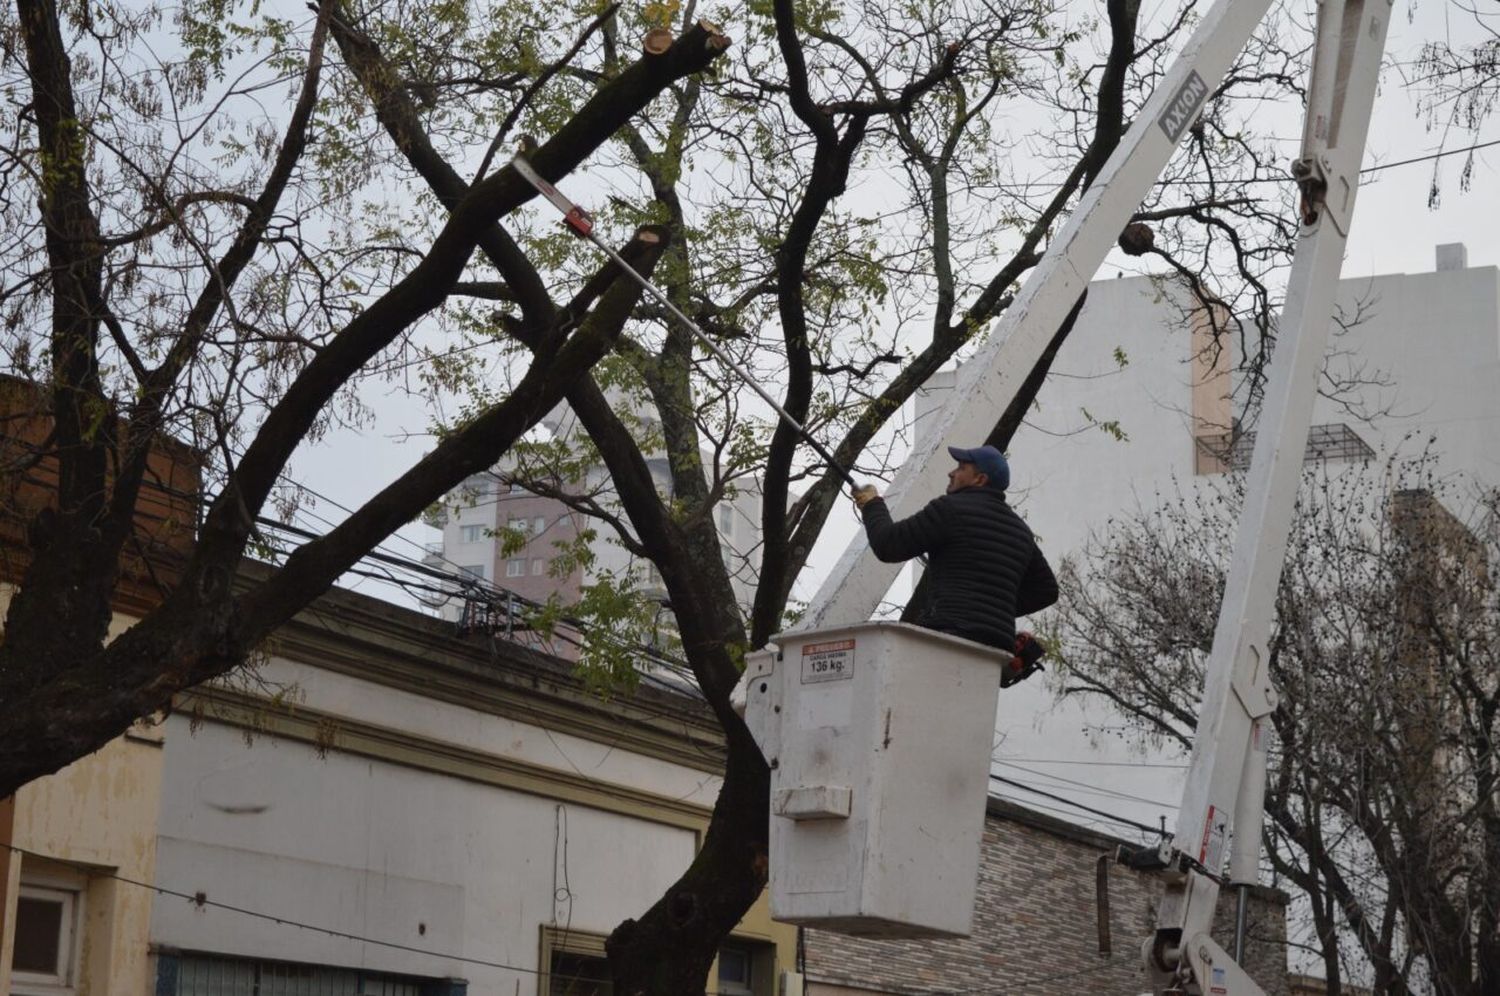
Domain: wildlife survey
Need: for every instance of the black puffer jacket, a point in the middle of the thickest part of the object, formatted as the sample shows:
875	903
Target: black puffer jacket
983	565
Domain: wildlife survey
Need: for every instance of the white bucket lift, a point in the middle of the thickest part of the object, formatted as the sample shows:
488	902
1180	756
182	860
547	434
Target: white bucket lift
878	734
879	738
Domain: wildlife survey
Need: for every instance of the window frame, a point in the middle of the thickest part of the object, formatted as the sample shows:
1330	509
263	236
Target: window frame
516	567
560	941
746	988
70	927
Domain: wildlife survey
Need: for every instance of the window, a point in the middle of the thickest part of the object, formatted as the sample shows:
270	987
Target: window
212	975
475	571
471	534
46	929
515	567
539	525
578	975
736	971
519	524
746	968
538	566
575	964
726	520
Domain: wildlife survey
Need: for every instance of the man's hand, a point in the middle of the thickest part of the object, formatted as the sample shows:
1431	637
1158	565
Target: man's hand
1026	661
864	494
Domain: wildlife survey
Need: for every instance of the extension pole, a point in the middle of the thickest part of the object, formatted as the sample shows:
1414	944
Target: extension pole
579	221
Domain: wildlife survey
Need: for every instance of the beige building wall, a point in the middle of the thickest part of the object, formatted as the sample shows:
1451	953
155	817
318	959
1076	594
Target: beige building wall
1213	415
73	830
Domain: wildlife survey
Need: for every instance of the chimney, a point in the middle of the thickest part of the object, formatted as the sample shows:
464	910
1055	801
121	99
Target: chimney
1452	256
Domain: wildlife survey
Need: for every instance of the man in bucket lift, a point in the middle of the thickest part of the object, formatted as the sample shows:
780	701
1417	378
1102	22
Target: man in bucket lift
983	565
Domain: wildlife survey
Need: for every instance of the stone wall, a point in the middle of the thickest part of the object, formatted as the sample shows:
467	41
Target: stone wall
1036	926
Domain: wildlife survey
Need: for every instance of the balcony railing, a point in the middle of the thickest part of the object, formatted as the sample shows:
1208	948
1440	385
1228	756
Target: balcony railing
1331	443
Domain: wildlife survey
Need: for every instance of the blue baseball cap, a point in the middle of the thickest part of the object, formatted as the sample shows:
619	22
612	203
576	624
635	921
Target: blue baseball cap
988	461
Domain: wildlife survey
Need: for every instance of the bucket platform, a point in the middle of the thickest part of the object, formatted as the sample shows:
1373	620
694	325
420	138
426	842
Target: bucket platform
879	738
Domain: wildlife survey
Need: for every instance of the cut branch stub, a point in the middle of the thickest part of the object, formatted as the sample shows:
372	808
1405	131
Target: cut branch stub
657	41
718	41
1137	239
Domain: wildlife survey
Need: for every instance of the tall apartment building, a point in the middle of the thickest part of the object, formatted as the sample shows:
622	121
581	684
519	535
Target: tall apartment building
488	505
1142	401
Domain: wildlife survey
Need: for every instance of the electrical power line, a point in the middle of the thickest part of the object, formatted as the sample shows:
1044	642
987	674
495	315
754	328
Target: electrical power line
1086	785
1113	817
1100	764
468	582
200	900
1377	168
1429	158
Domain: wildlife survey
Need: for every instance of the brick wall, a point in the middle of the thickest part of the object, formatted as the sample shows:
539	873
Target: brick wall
1036	926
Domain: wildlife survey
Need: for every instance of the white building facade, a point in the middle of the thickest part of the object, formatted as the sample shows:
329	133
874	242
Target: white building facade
386	808
1142	401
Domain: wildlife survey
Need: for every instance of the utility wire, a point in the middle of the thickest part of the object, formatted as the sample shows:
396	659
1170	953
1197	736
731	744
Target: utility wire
468	582
1007	759
1377	168
1072	817
1095	788
1077	805
1428	158
201	900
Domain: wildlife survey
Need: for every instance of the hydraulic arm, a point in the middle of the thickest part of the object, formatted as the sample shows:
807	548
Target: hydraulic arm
1226	779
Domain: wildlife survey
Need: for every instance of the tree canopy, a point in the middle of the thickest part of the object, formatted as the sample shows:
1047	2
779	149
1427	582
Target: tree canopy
1381	802
221	221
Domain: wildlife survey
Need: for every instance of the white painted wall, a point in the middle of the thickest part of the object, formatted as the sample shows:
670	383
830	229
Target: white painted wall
1434	336
393	853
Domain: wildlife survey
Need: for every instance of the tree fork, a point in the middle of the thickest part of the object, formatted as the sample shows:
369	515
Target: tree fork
202	631
428	283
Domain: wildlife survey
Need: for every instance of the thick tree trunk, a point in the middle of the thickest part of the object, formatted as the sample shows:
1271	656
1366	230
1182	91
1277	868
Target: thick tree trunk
670	948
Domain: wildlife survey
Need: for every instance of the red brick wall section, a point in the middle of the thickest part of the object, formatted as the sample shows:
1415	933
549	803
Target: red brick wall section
165	512
1036	926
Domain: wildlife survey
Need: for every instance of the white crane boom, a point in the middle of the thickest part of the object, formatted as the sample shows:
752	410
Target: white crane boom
988	381
1226	778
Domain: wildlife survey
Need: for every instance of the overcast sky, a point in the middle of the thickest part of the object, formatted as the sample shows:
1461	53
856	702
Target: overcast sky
1394	231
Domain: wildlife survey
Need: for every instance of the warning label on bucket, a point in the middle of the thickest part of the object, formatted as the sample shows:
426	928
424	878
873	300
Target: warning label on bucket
831	661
